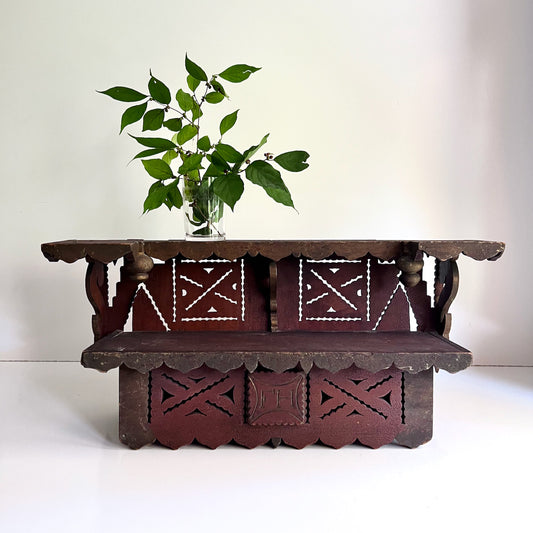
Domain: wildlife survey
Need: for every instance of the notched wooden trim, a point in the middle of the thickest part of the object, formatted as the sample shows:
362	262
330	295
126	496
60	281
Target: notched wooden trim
107	251
417	390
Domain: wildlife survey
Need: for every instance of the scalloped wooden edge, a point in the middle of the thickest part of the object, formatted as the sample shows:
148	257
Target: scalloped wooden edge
112	250
410	363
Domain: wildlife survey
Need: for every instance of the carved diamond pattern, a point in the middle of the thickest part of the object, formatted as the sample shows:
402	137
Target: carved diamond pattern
189	294
203	404
370	404
209	291
333	291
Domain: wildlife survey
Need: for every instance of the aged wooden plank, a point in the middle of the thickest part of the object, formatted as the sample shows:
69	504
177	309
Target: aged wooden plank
417	409
373	351
134	396
106	251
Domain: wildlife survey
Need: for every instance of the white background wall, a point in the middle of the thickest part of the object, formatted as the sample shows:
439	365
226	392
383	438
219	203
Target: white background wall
417	116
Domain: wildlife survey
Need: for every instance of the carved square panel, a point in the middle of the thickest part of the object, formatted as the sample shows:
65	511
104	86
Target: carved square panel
277	399
333	290
210	290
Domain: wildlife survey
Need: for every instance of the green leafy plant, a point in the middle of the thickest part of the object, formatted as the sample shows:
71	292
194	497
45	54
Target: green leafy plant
209	172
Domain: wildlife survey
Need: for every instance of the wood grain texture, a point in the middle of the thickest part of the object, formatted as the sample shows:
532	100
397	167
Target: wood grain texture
417	426
106	251
134	428
224	351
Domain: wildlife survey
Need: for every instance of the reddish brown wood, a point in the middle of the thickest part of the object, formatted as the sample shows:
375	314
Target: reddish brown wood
335	408
273	286
335	295
202	404
212	295
266	341
108	319
276	399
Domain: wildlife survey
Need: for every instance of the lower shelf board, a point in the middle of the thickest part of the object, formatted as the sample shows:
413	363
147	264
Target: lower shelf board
412	351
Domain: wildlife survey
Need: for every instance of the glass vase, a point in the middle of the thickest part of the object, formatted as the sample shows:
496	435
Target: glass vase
203	210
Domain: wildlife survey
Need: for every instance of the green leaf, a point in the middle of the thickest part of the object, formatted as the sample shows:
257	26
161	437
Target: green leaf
213	171
185	100
192	83
253	149
229	153
191	162
214	97
218	87
159	91
219	162
157	168
204	143
169	156
124	94
174	195
228	188
194	70
265	175
153	119
293	161
132	114
282	196
251	152
150	152
173	124
238	73
228	122
155	142
196	111
156	196
186	134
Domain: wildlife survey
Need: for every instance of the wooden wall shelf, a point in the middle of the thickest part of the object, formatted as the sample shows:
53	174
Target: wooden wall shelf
274	341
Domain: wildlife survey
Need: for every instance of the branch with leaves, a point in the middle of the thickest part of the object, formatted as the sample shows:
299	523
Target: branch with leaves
202	166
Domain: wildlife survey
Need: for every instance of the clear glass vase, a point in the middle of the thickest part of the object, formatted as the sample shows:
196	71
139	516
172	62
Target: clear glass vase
203	210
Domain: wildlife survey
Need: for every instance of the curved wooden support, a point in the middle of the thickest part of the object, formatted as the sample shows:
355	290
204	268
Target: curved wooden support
446	287
96	287
106	318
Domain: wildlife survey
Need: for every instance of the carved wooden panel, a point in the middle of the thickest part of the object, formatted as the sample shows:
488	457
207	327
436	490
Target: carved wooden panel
356	404
215	408
203	404
339	294
277	399
212	294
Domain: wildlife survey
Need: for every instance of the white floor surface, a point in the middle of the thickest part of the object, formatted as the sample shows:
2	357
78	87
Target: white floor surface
62	468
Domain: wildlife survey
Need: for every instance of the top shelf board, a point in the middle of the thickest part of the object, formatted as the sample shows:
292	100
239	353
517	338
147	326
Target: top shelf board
106	251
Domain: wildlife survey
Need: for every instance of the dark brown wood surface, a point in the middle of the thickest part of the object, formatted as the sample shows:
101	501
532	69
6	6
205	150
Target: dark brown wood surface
224	351
111	250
